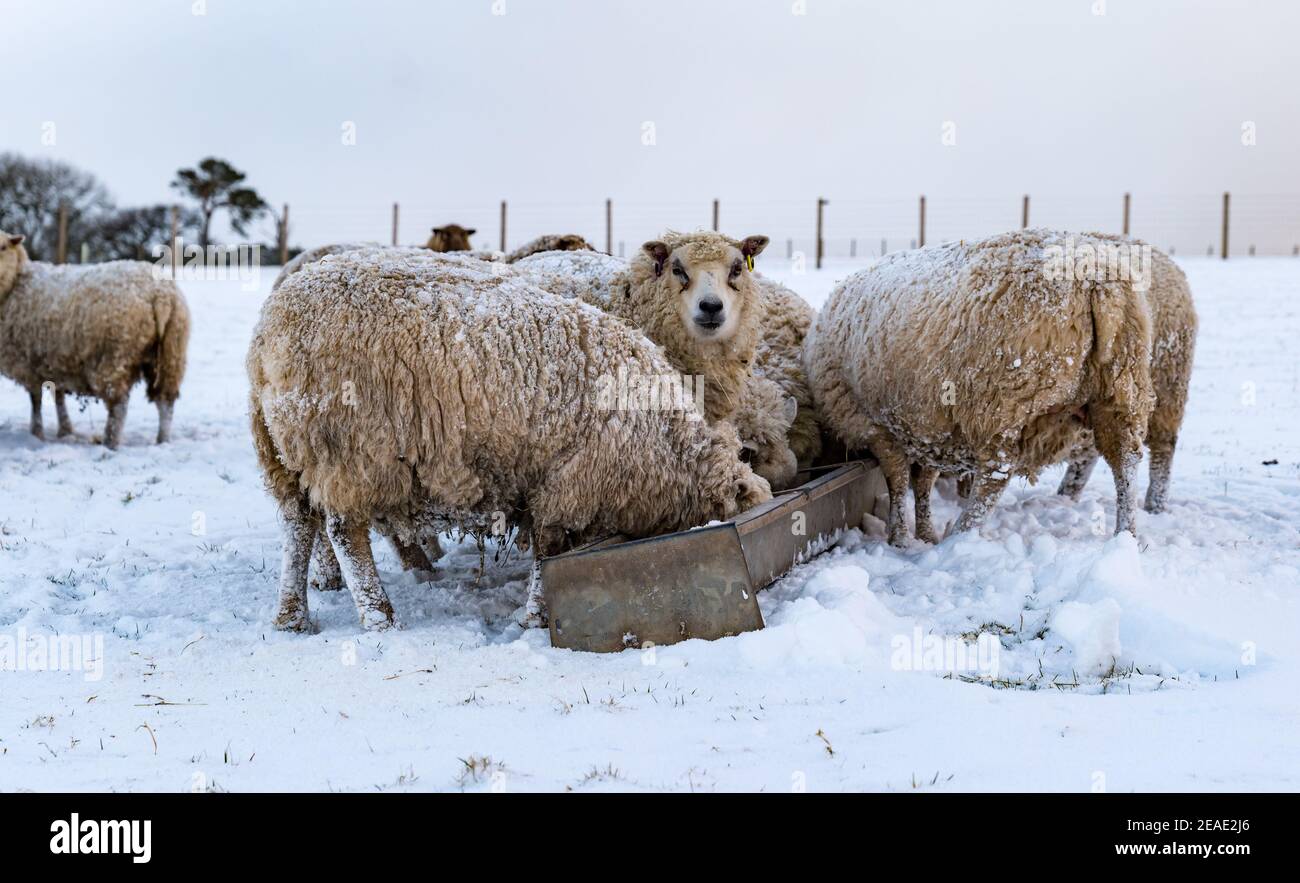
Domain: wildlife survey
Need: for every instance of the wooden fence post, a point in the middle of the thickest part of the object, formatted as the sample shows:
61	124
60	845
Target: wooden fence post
396	219
921	239
284	236
1126	208
503	225
1024	213
1225	225
609	227
176	237
61	246
715	216
821	246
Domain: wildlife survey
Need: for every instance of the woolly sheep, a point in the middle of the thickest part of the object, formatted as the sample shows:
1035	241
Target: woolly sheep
1173	322
974	358
452	237
91	330
731	361
447	390
550	242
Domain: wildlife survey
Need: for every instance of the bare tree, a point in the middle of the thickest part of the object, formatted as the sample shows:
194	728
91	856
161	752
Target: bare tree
31	191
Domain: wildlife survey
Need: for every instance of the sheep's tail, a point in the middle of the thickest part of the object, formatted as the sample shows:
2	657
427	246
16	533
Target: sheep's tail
172	325
280	481
1121	323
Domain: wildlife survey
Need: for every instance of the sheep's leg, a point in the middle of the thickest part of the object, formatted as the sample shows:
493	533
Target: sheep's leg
1076	477
897	471
983	497
1162	462
61	405
38	425
299	526
116	420
1120	443
545	542
329	577
535	614
410	554
351	540
923	478
165	407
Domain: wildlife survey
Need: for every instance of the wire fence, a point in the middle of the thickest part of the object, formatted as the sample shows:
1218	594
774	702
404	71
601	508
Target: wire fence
1257	223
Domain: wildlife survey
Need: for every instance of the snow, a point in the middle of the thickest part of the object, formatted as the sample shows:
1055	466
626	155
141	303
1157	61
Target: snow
1042	654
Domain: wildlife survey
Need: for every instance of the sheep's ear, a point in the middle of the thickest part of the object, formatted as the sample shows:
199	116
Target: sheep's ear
438	230
16	241
471	231
658	251
791	409
753	246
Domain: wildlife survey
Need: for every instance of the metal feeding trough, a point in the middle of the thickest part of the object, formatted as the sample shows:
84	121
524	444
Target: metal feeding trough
701	583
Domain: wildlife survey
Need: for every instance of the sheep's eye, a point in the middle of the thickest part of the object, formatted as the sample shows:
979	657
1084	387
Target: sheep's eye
735	269
681	274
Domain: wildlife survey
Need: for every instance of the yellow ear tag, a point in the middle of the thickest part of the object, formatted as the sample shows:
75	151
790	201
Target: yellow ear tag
749	262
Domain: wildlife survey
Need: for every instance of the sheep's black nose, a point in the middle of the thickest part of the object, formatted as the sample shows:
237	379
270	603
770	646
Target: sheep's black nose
710	306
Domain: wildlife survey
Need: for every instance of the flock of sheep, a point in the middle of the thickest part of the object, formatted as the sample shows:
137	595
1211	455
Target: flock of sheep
418	391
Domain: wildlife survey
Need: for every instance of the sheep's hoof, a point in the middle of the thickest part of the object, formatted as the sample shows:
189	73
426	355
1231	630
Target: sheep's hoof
899	538
293	621
378	619
320	585
927	535
532	615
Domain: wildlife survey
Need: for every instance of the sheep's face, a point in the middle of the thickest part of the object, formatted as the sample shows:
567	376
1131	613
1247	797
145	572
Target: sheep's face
12	258
711	281
453	237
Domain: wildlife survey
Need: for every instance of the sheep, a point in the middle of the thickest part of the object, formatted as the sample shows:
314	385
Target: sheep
550	242
1174	323
452	237
91	330
666	312
447	391
984	358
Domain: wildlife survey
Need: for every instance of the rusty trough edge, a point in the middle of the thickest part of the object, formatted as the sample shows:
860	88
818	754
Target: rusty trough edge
701	583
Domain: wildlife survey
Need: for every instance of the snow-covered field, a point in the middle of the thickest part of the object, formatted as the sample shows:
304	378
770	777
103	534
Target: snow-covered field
1170	663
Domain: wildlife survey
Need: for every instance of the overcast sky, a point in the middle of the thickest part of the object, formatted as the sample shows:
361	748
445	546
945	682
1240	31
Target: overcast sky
550	105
